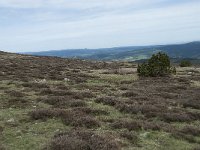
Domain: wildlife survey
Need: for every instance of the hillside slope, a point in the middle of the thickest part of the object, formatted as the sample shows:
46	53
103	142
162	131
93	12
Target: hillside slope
188	50
54	103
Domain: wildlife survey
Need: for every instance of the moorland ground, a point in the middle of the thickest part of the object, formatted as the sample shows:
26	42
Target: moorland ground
53	103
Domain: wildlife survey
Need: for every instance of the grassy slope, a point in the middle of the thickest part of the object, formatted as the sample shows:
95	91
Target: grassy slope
97	97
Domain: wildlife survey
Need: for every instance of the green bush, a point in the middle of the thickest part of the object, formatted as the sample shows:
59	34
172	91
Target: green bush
185	63
157	65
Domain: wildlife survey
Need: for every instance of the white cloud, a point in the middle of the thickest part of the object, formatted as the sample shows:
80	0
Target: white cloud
75	4
138	22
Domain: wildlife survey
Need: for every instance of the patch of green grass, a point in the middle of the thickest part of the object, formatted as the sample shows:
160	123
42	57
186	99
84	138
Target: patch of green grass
93	82
137	57
117	78
162	141
33	135
19	132
114	114
17	114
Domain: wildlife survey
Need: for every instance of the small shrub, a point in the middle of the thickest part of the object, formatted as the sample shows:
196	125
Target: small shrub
46	91
82	94
152	126
67	143
92	111
195	104
80	119
78	103
62	87
130	94
185	63
190	130
69	117
135	109
176	117
14	93
127	108
62	102
35	85
85	121
123	88
18	103
82	140
108	100
194	115
189	138
60	92
44	114
131	136
55	100
157	65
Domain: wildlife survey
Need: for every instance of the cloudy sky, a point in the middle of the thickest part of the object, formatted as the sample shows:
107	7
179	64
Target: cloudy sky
36	25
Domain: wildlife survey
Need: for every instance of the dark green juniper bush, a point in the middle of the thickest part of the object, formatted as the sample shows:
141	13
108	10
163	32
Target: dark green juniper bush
185	63
158	65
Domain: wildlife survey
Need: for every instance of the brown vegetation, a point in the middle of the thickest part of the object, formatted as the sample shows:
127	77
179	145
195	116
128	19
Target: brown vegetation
100	105
82	140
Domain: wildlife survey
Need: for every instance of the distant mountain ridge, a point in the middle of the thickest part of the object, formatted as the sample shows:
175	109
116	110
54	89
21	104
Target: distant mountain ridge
131	53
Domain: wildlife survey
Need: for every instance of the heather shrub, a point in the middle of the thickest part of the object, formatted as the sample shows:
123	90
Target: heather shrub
176	117
80	119
107	100
182	136
131	136
91	111
44	114
14	93
190	130
82	140
130	94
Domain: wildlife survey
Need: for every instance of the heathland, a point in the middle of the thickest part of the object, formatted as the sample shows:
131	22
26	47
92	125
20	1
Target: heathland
55	103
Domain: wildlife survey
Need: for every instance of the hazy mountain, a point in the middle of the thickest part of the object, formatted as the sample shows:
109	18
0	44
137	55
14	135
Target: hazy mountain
187	50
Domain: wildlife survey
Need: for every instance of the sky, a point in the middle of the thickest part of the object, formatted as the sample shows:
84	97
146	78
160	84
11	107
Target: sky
40	25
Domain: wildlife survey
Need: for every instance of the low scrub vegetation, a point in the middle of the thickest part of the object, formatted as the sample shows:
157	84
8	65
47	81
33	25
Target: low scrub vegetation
82	140
60	104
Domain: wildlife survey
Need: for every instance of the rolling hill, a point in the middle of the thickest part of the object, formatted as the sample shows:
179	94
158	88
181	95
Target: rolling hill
52	103
131	53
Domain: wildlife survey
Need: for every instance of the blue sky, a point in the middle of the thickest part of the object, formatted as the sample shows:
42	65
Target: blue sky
37	25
